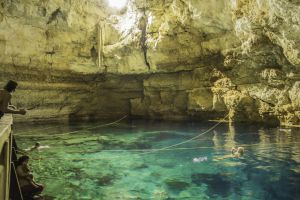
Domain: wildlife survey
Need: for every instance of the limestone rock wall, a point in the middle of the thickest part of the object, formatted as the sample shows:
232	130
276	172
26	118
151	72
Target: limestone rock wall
169	36
63	96
50	34
170	59
269	54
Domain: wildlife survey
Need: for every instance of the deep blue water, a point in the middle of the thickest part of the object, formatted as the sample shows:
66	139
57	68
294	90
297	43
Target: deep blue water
115	162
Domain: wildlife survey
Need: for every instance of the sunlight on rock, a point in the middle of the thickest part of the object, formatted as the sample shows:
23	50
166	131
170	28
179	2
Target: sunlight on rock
119	4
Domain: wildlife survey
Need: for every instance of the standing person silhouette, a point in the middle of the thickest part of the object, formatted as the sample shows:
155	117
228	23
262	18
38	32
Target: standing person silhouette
5	99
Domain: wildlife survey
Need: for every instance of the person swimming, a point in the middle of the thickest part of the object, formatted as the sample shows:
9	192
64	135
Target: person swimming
37	146
237	152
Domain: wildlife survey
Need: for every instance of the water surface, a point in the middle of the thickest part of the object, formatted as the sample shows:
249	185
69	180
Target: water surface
91	161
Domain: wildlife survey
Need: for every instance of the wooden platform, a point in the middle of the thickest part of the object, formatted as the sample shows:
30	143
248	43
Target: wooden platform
5	155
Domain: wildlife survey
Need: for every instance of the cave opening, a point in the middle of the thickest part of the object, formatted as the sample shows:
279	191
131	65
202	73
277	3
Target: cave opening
118	4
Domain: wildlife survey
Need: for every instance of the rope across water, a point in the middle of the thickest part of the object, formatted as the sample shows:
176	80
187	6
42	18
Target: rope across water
148	151
189	140
141	152
67	133
266	146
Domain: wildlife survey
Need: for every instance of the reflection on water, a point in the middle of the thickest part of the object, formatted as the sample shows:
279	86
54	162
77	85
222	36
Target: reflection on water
115	162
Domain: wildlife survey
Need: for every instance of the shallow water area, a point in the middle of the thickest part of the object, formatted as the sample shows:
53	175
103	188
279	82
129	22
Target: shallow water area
128	160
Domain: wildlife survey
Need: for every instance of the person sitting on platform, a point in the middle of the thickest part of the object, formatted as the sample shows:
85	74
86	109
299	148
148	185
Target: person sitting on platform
28	186
5	100
37	146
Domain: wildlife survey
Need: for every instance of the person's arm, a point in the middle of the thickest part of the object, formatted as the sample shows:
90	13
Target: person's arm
27	170
21	173
11	106
5	106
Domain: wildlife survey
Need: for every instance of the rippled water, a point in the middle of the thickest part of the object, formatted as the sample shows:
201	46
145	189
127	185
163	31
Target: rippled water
107	162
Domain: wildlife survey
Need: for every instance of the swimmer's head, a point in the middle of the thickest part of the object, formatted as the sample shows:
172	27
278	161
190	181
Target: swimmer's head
37	144
240	151
233	150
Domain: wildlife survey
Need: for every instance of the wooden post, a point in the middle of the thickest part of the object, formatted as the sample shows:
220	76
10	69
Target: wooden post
5	156
4	171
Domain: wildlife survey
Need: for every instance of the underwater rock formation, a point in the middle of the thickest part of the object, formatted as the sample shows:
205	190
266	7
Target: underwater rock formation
175	184
216	183
172	59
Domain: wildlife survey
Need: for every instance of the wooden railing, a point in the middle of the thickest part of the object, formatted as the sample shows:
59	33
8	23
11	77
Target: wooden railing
5	155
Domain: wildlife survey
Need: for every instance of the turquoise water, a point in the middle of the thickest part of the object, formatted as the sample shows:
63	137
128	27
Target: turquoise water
114	162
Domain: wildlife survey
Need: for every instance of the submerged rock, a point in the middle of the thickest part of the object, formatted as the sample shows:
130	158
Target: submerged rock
140	166
138	145
217	184
81	140
160	194
105	180
161	135
176	184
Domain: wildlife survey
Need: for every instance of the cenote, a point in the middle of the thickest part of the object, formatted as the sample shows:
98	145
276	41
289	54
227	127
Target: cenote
196	80
119	161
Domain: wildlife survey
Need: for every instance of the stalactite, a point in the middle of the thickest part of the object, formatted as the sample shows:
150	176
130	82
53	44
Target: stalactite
143	25
100	44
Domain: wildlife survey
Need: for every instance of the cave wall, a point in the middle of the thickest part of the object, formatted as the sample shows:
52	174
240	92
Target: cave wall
268	31
170	59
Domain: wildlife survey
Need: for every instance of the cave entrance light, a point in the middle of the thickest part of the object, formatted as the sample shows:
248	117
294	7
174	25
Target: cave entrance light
118	4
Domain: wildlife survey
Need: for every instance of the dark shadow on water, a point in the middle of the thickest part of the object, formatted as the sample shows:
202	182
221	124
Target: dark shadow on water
287	187
217	184
159	136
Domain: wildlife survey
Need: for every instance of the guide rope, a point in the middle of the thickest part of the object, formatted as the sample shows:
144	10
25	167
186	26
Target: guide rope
67	133
194	148
185	148
147	151
189	140
143	150
167	148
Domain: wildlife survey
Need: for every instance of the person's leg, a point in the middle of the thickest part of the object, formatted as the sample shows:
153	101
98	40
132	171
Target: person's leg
32	189
26	191
39	187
